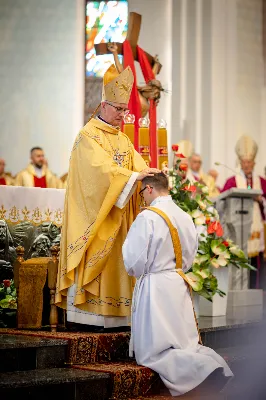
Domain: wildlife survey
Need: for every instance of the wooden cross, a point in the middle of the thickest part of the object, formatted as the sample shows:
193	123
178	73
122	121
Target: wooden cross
134	25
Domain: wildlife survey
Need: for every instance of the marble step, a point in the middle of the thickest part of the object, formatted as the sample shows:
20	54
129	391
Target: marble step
21	352
54	384
235	335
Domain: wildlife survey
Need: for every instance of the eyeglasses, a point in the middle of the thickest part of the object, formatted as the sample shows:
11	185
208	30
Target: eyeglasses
120	110
142	190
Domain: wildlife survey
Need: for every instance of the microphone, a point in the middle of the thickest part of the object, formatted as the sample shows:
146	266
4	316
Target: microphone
231	169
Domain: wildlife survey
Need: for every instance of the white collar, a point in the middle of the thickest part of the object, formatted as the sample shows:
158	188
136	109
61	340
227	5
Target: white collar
102	120
161	199
244	176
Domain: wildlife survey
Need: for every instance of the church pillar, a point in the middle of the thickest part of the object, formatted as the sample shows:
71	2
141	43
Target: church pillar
223	133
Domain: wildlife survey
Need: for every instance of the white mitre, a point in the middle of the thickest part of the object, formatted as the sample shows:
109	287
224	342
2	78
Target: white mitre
246	148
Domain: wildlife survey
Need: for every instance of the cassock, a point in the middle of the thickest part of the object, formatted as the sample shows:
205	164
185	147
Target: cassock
101	204
38	177
164	331
256	241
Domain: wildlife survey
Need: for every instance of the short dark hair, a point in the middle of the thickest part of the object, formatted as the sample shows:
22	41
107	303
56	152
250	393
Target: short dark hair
158	181
35	148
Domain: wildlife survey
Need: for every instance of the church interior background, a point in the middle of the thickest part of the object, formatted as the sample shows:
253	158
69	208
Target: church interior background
213	58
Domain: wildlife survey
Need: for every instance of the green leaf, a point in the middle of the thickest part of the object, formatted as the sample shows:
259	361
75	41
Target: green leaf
204	293
8	302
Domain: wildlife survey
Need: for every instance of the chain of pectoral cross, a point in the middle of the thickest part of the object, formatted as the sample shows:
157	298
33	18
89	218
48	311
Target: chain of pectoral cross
117	157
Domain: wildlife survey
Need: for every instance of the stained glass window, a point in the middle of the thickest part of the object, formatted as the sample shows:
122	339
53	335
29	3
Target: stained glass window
105	21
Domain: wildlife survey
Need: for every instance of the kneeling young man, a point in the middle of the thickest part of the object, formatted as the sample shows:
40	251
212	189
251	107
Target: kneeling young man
160	246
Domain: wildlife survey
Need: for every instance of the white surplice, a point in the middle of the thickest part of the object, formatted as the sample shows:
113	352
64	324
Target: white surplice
164	331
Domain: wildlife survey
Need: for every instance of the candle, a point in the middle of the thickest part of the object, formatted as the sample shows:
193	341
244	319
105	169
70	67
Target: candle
129	130
129	127
162	144
144	139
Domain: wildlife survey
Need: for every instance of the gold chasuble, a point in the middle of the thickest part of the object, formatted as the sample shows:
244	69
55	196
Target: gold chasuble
94	229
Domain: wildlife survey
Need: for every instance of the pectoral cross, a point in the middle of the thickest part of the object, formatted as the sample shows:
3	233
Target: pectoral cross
119	158
134	25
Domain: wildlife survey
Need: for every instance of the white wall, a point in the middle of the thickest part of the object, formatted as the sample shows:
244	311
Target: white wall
237	80
41	79
218	93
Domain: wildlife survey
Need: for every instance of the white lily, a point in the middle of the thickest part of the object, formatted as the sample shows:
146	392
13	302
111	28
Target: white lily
195	281
237	251
199	217
214	263
225	254
205	190
222	261
201	258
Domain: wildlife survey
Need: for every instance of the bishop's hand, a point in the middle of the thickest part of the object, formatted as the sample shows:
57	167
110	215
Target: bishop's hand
148	172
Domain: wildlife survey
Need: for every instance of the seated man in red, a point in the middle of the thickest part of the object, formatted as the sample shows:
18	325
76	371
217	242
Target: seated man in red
246	150
5	179
37	174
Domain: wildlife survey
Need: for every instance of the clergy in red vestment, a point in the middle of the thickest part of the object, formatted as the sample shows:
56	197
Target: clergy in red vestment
37	173
5	179
246	150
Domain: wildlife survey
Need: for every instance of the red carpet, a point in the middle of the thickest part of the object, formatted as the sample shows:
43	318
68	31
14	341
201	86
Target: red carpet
85	347
129	380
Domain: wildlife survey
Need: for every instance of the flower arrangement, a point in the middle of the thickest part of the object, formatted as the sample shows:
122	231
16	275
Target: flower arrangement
214	250
8	295
8	304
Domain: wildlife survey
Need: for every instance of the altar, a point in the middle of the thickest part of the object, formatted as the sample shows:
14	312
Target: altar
31	218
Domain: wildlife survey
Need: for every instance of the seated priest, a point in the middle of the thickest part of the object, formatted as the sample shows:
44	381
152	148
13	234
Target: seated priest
246	150
195	173
37	173
5	179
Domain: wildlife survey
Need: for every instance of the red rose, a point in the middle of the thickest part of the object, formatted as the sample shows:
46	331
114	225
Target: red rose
208	220
215	227
6	283
225	243
175	147
190	188
179	155
183	167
